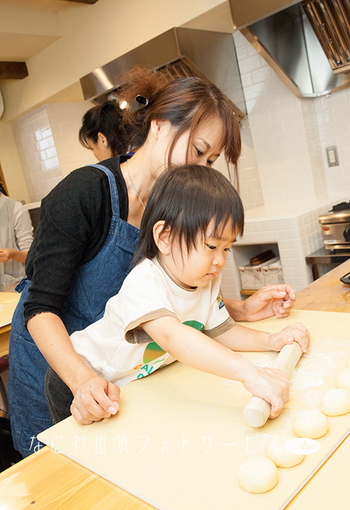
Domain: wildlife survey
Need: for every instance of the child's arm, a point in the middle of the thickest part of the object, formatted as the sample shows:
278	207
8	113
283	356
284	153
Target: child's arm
240	338
203	353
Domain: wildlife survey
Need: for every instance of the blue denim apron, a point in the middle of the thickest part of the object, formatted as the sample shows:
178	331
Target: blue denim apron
94	284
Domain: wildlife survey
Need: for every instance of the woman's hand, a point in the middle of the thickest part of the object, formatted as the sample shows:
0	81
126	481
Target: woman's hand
270	384
273	300
96	399
292	333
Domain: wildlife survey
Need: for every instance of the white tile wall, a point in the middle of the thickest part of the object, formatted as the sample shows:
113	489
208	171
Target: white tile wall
288	135
277	130
65	122
48	146
250	185
36	149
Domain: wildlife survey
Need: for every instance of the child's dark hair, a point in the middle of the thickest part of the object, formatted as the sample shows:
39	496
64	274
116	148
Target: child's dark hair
187	199
107	119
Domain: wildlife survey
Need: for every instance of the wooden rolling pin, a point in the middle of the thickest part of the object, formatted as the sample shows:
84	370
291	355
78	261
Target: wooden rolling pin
257	411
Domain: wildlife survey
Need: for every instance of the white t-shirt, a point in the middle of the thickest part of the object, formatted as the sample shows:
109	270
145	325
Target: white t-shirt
118	350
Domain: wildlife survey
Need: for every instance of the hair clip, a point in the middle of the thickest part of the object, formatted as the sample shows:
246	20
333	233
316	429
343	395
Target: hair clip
142	100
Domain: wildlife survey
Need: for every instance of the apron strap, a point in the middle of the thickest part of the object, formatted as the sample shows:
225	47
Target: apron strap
113	188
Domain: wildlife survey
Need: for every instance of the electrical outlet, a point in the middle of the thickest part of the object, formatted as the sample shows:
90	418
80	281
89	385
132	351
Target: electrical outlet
332	155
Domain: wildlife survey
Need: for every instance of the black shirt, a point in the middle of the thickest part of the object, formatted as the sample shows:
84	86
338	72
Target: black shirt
74	223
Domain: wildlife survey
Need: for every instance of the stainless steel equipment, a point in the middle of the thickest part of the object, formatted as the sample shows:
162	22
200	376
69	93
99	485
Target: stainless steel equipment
178	52
306	43
331	21
336	227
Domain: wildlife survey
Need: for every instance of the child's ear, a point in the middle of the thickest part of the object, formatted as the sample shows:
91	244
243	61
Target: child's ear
162	237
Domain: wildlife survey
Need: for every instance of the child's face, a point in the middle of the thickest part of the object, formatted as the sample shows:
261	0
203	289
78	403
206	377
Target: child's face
203	263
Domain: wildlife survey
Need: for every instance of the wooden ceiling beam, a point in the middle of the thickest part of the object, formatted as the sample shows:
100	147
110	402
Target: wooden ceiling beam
13	70
82	1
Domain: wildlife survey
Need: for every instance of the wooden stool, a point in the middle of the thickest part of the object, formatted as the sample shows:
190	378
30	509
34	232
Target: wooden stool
4	363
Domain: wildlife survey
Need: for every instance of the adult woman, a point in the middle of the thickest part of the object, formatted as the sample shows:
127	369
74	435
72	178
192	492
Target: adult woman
103	132
88	233
16	236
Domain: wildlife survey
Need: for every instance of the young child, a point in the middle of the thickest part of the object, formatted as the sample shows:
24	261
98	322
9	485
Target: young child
169	307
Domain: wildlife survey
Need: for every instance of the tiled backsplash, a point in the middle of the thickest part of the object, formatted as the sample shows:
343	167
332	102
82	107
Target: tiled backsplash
37	152
48	147
289	135
65	122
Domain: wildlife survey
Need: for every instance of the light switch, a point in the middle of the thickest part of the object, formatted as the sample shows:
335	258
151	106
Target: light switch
332	155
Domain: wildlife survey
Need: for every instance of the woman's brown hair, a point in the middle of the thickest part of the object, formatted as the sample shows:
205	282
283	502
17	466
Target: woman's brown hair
184	102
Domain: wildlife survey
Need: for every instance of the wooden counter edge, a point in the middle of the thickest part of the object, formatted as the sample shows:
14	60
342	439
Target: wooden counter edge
75	483
328	293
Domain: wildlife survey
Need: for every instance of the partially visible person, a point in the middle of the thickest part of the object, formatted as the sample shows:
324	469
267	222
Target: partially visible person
16	236
103	131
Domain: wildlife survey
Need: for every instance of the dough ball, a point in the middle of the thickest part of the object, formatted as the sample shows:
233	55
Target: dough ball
348	363
343	379
280	456
312	424
336	402
258	475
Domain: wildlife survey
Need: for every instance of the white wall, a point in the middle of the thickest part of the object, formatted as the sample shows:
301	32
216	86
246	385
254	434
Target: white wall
48	146
65	122
289	135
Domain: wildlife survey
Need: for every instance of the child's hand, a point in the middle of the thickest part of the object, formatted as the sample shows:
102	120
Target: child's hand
272	300
270	384
292	333
96	399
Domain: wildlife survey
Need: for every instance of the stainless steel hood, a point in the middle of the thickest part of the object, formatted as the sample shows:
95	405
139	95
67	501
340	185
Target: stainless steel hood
330	20
180	52
307	43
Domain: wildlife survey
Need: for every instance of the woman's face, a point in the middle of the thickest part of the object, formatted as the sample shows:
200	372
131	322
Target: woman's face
205	146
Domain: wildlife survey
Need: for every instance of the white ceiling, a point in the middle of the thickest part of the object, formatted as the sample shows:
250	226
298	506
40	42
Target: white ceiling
20	40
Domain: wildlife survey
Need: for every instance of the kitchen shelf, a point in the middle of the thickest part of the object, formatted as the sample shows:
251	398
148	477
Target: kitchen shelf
323	256
242	253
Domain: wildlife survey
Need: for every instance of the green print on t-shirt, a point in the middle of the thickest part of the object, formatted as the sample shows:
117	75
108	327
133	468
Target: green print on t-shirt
195	325
153	351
